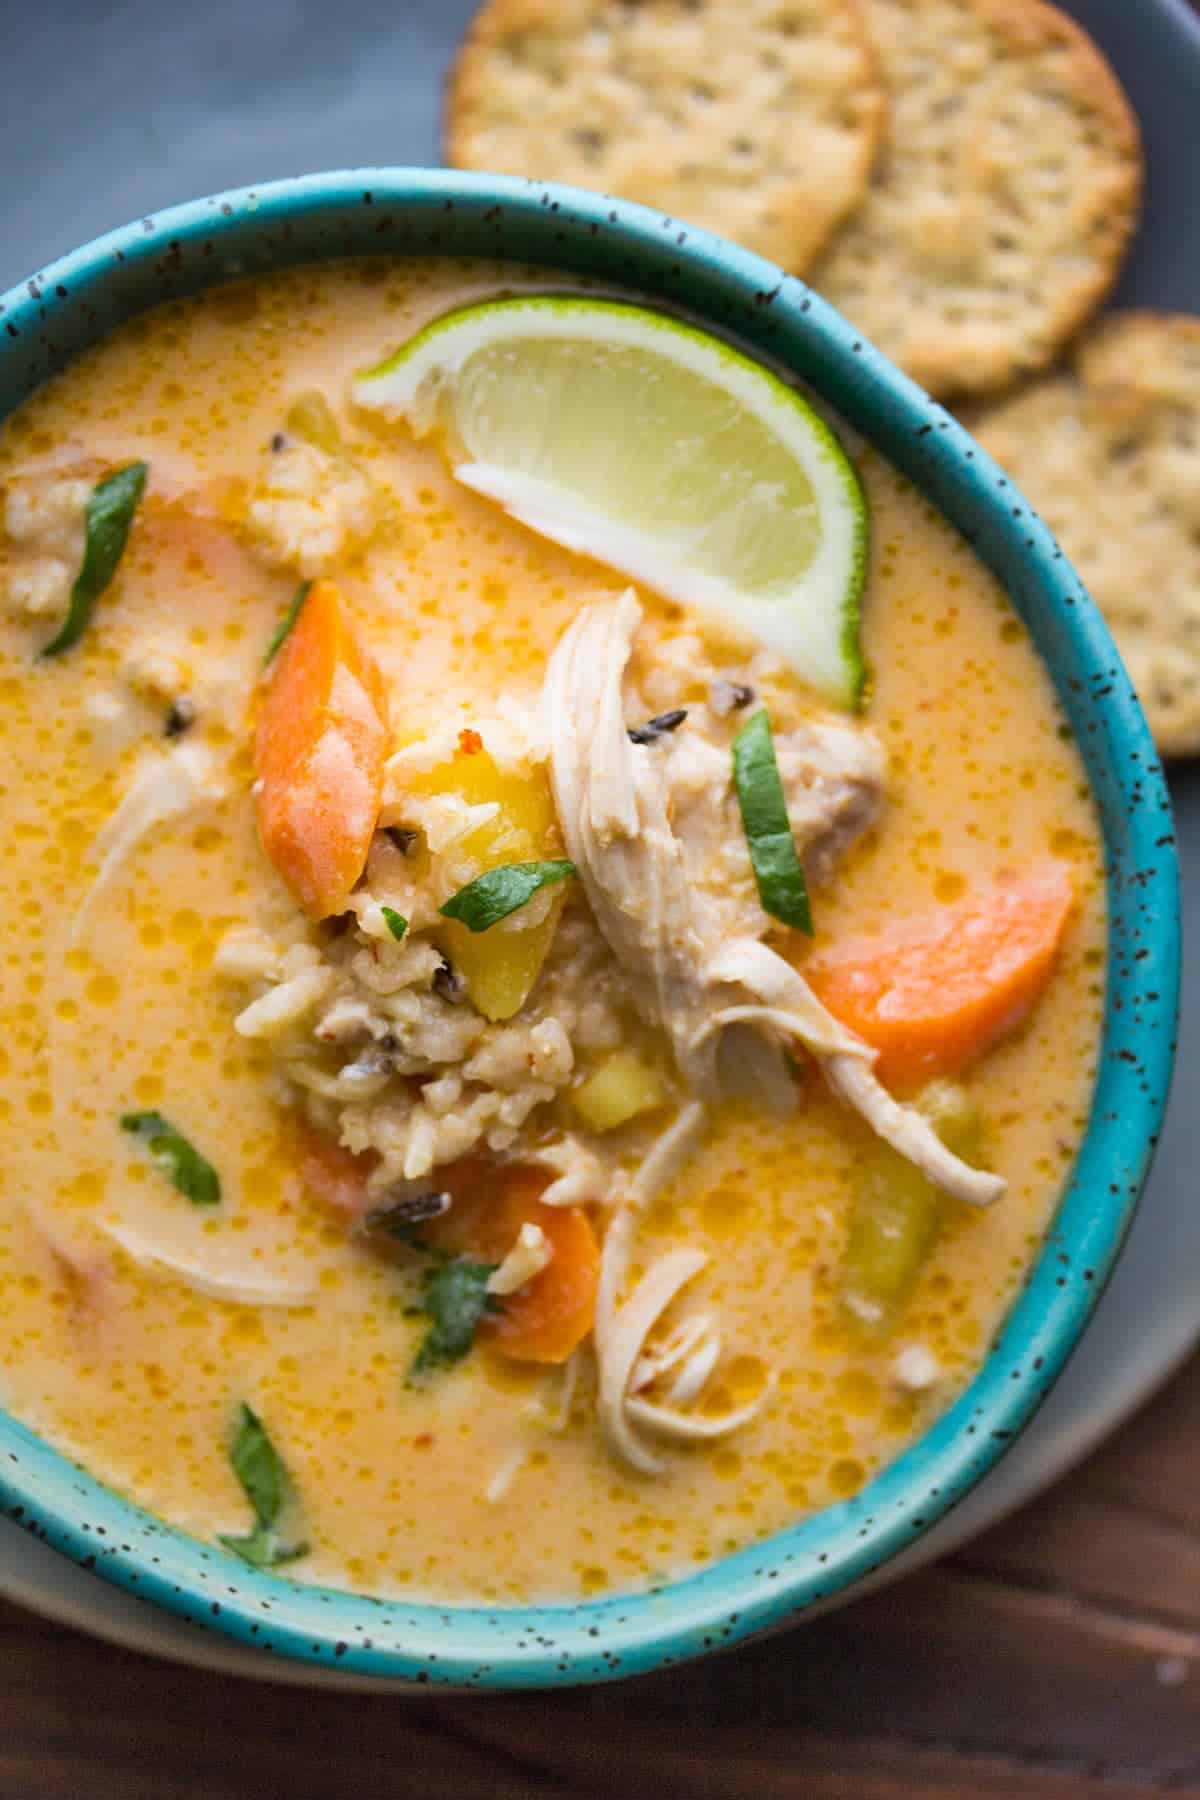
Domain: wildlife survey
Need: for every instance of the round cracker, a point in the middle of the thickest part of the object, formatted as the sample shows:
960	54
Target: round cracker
759	119
1004	198
1109	451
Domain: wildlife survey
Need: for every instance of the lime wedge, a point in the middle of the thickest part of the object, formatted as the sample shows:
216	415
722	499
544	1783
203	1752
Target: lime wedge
657	449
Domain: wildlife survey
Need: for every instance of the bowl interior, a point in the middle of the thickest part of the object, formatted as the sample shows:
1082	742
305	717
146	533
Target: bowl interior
86	294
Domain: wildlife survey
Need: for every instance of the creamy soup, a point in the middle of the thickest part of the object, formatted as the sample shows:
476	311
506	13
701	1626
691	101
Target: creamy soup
532	1292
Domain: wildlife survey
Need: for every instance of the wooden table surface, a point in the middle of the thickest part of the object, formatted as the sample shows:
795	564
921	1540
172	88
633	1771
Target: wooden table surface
1057	1658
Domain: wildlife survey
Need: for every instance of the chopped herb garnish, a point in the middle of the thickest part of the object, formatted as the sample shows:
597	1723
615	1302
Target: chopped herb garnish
401	837
455	1296
265	1483
181	716
184	1167
285	624
653	729
781	885
110	509
498	892
396	923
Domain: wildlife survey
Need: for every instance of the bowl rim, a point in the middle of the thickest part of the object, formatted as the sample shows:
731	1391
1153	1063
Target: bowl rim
766	1585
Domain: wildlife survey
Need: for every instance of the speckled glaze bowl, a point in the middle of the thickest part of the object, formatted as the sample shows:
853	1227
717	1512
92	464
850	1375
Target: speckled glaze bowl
399	211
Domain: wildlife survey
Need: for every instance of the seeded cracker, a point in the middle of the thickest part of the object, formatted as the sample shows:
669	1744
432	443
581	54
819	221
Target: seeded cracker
1006	193
757	118
1110	453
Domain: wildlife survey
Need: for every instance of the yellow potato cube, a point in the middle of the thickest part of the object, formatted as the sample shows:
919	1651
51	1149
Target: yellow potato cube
620	1088
499	966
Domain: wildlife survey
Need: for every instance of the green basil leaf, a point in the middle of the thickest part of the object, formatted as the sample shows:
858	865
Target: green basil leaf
184	1167
454	1295
396	923
110	511
285	624
265	1483
781	885
259	1468
498	892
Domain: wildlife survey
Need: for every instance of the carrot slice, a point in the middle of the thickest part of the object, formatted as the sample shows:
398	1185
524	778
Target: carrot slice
319	753
934	995
544	1320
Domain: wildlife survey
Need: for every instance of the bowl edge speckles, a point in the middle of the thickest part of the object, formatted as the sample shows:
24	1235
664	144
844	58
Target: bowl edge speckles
75	301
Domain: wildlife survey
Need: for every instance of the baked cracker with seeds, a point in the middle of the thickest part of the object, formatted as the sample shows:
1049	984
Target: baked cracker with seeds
759	119
1109	451
1005	195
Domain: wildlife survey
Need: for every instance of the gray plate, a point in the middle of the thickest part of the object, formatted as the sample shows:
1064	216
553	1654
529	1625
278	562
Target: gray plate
114	112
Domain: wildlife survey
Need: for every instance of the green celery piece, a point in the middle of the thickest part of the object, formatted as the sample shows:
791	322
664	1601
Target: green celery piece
897	1212
110	511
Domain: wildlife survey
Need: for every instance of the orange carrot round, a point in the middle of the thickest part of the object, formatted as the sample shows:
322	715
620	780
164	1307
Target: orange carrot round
933	995
319	754
544	1320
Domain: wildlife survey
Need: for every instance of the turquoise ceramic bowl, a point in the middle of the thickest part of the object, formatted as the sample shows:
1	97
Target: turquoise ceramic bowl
399	211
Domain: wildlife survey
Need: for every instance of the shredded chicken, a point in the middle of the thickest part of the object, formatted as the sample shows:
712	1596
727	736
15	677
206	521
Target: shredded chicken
45	518
552	1407
667	1153
506	1474
621	1333
910	1133
690	1352
156	669
832	777
581	1177
531	1253
167	784
614	806
690	1427
308	509
622	1329
219	1284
